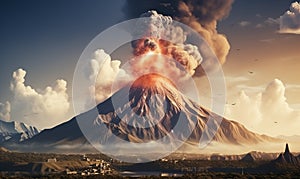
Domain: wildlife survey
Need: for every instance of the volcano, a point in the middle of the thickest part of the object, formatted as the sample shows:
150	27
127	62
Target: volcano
149	109
155	106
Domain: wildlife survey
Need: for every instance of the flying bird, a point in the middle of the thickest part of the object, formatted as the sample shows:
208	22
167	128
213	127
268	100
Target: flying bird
251	72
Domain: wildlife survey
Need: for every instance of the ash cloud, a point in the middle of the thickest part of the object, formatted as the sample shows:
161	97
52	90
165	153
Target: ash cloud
201	15
160	34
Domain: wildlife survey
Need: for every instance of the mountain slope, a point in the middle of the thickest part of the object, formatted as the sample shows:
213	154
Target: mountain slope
248	158
16	131
148	110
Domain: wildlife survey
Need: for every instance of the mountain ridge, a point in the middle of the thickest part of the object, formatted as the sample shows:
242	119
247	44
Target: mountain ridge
151	111
16	131
287	157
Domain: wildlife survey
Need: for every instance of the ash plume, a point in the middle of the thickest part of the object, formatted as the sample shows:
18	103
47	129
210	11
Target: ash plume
160	35
201	15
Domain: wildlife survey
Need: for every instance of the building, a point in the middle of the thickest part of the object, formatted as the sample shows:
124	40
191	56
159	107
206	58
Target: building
85	158
52	160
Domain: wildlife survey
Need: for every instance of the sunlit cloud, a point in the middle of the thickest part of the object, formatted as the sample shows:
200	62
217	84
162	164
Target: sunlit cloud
290	20
40	108
5	111
271	21
244	23
266	111
101	72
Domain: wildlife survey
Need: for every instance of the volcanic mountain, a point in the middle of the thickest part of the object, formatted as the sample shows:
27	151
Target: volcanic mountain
147	110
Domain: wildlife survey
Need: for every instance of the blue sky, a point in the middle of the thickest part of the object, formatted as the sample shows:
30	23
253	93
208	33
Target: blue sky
47	37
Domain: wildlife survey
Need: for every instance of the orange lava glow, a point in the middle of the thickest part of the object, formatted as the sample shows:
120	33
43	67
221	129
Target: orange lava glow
151	80
162	55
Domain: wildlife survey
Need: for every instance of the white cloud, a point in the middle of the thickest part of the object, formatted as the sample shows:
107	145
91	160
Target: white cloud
266	111
293	86
236	79
290	20
259	26
244	23
271	21
43	108
5	111
102	72
267	40
246	88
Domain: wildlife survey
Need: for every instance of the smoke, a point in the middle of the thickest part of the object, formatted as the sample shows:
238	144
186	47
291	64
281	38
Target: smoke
290	20
161	36
201	15
106	76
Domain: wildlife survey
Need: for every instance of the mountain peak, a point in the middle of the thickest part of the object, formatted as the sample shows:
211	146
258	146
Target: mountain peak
152	80
150	109
248	158
152	93
18	131
287	150
287	157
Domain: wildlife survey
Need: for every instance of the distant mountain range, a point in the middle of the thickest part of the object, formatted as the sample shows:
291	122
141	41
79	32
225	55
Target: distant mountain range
287	158
133	107
285	161
16	131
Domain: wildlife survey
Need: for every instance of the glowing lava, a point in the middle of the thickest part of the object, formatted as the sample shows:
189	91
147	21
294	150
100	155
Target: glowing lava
152	80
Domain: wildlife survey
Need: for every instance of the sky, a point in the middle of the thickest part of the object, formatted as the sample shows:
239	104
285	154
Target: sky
41	43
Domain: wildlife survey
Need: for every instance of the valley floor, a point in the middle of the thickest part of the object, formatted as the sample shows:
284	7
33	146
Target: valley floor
45	165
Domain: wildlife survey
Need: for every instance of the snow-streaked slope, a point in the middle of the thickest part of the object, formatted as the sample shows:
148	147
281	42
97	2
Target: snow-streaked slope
146	111
16	131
